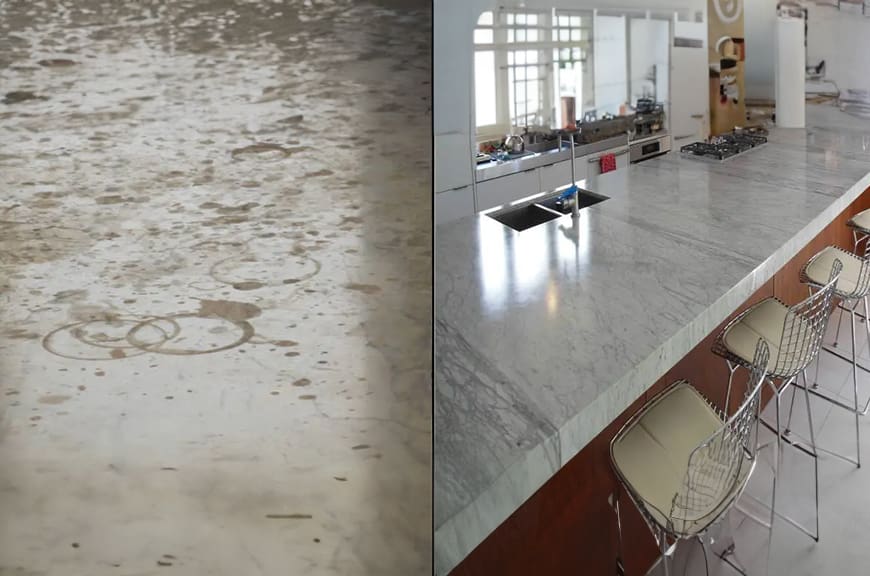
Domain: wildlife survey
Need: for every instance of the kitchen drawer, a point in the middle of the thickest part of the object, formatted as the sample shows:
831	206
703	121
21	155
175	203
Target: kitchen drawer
558	175
454	204
500	191
593	161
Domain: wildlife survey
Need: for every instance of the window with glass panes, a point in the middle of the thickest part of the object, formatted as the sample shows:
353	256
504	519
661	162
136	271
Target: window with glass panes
571	33
525	67
516	82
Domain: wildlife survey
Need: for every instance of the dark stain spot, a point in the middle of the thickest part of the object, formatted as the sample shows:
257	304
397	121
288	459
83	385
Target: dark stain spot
57	62
364	288
229	310
17	96
117	353
340	478
294	516
307	397
53	399
360	447
112	199
302	382
248	285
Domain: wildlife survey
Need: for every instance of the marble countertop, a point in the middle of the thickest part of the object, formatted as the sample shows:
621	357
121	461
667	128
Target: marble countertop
544	337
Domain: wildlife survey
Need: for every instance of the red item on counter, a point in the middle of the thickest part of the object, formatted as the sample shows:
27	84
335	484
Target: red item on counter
607	163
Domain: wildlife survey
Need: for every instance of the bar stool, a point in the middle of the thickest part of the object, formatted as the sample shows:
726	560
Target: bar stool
852	289
860	225
794	335
684	463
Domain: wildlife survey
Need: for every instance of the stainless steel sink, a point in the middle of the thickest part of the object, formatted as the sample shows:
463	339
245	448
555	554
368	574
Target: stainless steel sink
524	217
585	198
538	212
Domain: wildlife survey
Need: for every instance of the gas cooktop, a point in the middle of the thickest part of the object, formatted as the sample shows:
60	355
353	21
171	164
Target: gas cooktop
719	148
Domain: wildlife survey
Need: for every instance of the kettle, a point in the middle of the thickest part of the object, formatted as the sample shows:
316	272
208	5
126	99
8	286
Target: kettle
514	143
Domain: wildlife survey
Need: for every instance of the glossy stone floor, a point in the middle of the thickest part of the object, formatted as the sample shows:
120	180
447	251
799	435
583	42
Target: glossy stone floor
215	287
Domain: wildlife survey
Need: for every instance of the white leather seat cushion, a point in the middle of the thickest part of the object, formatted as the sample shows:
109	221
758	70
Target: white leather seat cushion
862	220
819	269
653	454
764	320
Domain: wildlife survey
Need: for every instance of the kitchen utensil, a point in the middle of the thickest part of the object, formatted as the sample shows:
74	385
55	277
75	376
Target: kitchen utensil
514	143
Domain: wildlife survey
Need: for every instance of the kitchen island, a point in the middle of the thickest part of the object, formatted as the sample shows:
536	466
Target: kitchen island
545	339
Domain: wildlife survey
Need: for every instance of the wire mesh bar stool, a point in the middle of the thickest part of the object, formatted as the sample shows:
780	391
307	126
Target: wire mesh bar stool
860	225
852	289
684	463
794	335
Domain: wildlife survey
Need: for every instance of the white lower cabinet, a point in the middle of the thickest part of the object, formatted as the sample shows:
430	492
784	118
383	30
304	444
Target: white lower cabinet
454	204
506	189
558	175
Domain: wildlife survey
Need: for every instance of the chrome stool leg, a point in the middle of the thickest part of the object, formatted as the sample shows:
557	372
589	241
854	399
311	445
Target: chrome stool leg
620	567
812	445
778	454
664	547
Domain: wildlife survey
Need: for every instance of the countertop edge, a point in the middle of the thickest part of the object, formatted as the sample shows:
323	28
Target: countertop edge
462	533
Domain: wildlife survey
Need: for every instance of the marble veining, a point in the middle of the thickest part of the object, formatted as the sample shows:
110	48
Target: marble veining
580	319
215	287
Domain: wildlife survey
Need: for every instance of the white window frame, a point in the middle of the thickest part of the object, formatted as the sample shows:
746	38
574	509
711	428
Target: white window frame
505	30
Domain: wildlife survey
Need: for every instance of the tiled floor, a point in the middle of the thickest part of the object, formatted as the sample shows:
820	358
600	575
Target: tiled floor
844	490
215	287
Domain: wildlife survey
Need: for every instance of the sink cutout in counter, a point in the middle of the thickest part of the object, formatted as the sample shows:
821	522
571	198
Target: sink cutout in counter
530	215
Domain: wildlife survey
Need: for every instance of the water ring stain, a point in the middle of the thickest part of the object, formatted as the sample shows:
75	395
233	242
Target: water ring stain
63	341
247	331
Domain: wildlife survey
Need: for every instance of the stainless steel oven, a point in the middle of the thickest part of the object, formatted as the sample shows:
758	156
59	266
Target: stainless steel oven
649	147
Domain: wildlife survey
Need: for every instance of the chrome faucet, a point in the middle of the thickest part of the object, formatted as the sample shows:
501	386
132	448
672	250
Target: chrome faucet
575	209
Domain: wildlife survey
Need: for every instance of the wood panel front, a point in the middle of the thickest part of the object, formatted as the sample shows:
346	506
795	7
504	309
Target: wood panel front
568	526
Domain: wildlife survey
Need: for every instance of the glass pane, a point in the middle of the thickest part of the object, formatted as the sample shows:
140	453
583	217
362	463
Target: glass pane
532	36
532	73
510	36
521	18
521	35
510	19
566	54
510	58
575	21
483	36
521	73
575	35
532	19
520	57
484	88
564	21
485	19
564	35
577	53
531	56
555	35
555	54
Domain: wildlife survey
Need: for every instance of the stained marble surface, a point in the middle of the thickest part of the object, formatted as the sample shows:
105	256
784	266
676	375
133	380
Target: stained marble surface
544	337
215	287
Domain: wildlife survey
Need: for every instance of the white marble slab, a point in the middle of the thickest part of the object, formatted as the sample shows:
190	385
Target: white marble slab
544	337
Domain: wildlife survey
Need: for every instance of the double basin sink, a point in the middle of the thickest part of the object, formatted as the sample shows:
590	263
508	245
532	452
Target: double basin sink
538	212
